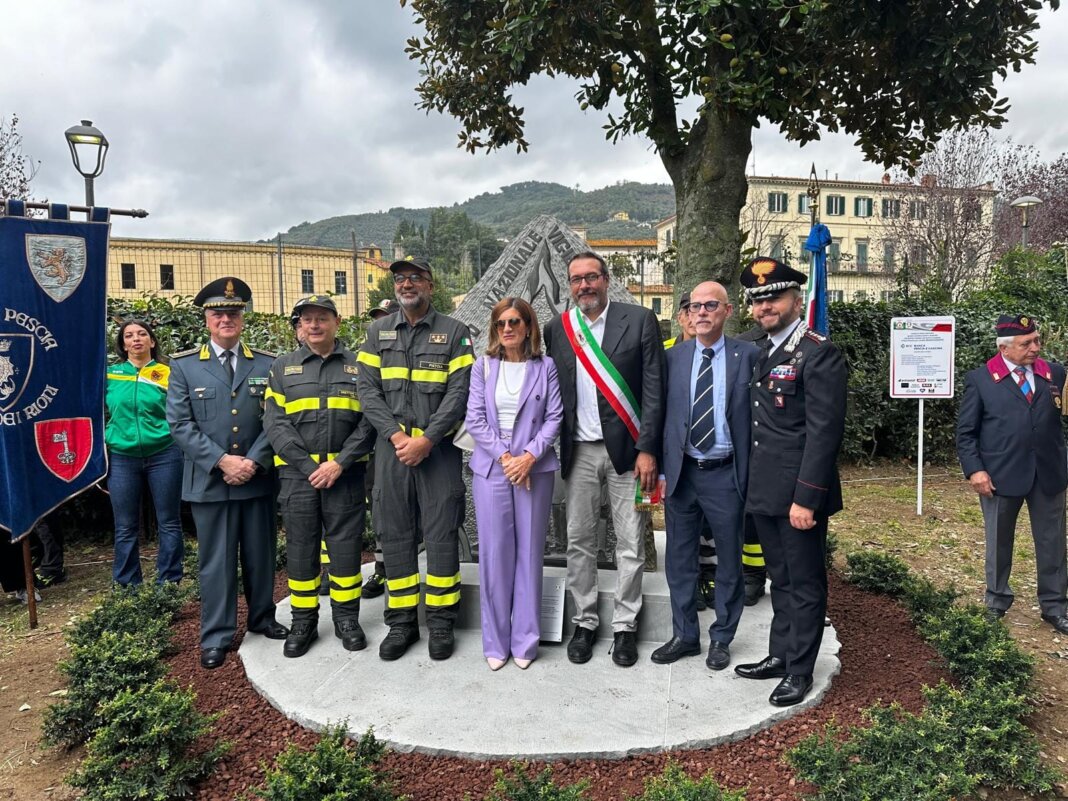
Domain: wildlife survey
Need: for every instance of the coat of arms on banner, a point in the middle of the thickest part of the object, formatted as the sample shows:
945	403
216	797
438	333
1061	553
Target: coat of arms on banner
16	364
56	262
65	445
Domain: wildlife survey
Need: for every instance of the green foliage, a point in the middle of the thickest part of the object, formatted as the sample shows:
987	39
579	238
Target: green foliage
519	785
145	749
875	571
923	598
144	611
333	770
675	785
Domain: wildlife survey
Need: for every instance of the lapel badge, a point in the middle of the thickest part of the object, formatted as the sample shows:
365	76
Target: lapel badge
438	339
780	402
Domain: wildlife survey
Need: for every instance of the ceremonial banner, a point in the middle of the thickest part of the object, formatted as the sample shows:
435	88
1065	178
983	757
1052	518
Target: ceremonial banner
52	358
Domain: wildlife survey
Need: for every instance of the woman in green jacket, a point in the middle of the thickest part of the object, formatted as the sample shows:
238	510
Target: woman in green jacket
140	448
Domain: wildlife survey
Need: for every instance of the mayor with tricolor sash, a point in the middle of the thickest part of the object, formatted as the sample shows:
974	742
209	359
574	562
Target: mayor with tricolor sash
52	310
610	364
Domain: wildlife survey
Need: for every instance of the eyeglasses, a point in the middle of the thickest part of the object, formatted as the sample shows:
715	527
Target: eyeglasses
589	278
708	306
415	278
514	322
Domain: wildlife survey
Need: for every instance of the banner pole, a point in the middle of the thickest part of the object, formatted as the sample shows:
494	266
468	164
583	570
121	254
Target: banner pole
919	462
27	569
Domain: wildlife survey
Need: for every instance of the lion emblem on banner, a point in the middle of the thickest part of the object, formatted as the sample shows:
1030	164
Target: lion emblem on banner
57	263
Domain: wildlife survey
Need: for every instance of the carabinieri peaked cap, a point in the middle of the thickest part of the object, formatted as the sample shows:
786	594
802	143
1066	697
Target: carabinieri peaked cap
224	294
765	277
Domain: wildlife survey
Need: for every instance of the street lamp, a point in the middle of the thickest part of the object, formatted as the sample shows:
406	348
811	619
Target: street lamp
88	149
1023	204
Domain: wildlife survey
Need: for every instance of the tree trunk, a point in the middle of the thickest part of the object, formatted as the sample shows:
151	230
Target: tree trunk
710	191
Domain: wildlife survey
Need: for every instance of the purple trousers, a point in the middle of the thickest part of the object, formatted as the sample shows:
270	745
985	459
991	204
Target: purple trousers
512	523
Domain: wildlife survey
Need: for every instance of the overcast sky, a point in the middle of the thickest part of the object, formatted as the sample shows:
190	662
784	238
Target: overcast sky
237	119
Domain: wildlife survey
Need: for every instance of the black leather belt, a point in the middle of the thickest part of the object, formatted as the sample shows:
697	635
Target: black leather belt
708	464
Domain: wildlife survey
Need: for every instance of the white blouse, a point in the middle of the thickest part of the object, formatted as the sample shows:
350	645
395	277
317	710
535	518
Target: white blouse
509	384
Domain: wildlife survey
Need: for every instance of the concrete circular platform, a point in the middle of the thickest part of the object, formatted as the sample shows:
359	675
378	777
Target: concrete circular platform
552	710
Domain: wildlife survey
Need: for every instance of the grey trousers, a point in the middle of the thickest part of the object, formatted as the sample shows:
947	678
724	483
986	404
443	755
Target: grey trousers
1048	530
591	470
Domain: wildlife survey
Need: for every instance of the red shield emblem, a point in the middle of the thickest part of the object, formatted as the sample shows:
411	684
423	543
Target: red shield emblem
65	445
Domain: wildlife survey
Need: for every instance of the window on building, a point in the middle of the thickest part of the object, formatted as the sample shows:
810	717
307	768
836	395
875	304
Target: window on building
888	256
918	254
917	210
668	237
835	295
777	245
778	202
835	205
307	282
657	306
862	255
834	261
970	210
863	207
166	276
804	204
129	276
370	278
891	208
341	283
886	295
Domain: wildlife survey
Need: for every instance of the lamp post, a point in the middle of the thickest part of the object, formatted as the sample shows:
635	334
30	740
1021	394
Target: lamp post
88	149
1023	204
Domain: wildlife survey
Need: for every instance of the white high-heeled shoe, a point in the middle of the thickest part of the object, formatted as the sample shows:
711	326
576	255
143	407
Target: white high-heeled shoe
522	664
494	663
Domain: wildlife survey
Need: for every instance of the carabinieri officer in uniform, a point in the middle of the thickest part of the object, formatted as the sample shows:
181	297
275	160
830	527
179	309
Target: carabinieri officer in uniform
798	396
215	410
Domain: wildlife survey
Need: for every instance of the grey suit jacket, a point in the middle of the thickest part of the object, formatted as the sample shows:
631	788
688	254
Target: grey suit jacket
741	359
209	418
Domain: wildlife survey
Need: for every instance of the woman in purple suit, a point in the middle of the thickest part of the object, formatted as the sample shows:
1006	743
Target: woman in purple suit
513	414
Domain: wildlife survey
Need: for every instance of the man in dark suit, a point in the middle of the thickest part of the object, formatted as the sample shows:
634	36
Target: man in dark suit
1011	446
706	468
215	410
610	364
798	394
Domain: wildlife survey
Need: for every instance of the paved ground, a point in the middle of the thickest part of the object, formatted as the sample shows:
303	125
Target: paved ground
552	710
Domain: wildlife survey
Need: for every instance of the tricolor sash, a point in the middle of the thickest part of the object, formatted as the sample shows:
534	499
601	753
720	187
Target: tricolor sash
605	376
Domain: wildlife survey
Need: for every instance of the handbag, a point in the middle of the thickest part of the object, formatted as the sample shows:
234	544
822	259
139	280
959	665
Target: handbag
462	439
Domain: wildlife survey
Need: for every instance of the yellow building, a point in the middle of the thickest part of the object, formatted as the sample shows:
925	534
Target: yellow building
277	276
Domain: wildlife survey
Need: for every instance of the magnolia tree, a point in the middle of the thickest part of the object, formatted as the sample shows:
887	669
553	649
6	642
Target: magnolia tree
895	75
16	169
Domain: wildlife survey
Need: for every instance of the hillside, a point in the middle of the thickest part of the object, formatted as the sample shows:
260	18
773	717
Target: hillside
508	210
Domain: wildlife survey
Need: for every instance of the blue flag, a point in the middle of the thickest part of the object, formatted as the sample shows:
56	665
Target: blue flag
816	244
53	276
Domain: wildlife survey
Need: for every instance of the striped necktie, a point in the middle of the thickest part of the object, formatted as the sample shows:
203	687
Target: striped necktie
1025	385
702	420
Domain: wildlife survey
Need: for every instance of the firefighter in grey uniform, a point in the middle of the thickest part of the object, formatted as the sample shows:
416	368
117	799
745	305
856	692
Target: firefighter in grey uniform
321	441
415	366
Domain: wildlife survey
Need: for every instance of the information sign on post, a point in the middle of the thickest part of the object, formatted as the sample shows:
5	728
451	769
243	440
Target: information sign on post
921	366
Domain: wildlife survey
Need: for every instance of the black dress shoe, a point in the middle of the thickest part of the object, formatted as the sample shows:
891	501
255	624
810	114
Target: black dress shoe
791	690
995	614
719	656
441	643
625	648
674	650
580	649
399	639
351	635
301	637
754	590
1059	622
211	658
374	586
272	631
770	667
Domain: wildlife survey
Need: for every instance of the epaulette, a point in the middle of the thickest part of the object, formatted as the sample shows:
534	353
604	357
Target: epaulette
263	352
815	336
189	352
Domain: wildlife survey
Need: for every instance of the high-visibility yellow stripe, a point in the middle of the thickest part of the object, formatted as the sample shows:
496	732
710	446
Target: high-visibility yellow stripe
277	397
415	432
304	601
430	376
403	601
302	405
352	404
752	548
443	600
395	372
442	581
304	586
461	362
753	561
279	461
369	359
347	582
342	596
403	583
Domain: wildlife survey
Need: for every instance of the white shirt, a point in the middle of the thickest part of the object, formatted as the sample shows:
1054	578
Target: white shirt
723	446
587	413
509	384
1012	374
219	350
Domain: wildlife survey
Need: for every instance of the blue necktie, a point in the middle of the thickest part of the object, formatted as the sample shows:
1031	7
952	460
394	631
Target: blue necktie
1025	385
702	420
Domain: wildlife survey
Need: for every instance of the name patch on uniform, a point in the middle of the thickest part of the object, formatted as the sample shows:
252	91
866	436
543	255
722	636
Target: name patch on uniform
347	393
294	369
384	335
784	372
351	369
438	339
257	382
424	365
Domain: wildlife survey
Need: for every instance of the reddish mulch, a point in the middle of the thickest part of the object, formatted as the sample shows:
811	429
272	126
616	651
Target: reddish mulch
883	659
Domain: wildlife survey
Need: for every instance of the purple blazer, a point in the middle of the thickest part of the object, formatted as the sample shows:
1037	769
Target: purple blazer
537	420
